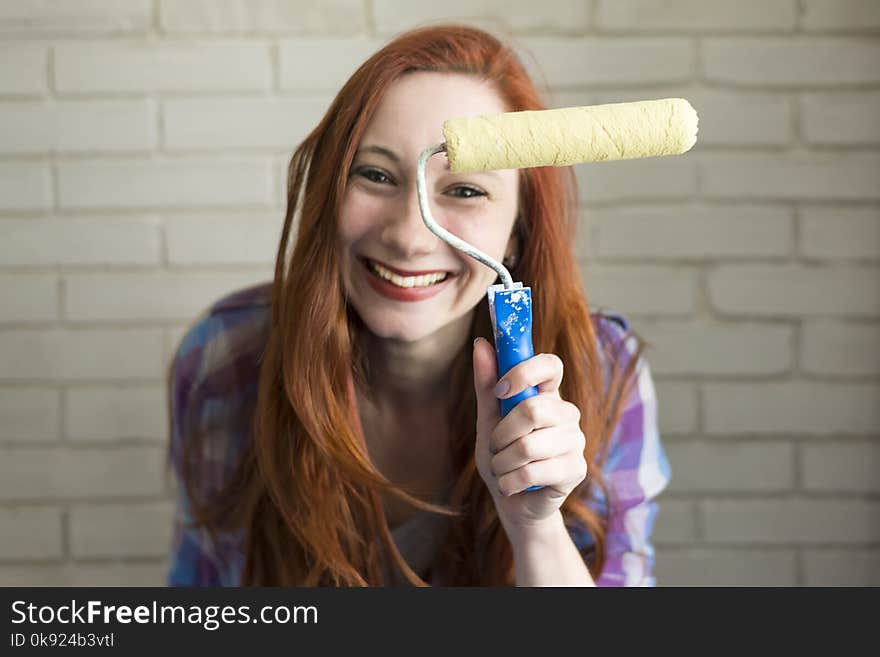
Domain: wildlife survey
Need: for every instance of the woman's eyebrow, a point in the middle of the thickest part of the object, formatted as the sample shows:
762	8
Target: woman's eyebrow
381	150
391	155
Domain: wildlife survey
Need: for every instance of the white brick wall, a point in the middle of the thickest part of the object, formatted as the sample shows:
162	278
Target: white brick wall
840	232
78	126
262	16
143	155
703	233
521	16
696	16
75	16
728	567
840	15
29	414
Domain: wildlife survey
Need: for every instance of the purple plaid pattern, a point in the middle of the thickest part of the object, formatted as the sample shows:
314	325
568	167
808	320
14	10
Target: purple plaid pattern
213	388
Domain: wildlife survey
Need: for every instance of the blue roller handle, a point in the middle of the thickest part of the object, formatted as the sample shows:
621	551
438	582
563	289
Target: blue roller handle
511	312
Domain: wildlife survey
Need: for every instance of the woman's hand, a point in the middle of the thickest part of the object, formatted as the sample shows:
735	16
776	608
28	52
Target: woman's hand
538	443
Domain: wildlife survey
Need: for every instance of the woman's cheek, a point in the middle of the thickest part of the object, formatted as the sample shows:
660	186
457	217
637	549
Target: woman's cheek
357	213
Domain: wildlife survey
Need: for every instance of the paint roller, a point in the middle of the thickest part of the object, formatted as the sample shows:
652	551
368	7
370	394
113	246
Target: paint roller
557	137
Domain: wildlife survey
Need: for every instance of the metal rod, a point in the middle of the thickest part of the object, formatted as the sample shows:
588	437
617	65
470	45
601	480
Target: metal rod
442	233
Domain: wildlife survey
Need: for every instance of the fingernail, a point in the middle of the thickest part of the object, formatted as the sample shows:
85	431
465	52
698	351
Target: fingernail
476	340
501	388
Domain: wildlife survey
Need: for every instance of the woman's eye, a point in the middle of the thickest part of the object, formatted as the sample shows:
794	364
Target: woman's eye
464	191
373	175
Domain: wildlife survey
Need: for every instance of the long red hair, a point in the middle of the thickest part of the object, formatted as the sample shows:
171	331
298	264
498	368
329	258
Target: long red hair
305	491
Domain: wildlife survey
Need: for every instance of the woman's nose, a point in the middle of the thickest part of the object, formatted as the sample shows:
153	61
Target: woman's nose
405	230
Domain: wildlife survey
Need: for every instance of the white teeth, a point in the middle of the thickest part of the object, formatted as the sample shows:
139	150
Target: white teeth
407	281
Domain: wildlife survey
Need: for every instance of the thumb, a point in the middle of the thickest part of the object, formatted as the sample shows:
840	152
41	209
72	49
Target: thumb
485	378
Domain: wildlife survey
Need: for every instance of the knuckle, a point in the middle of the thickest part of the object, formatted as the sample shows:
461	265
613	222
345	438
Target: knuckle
533	407
527	477
555	361
582	470
527	448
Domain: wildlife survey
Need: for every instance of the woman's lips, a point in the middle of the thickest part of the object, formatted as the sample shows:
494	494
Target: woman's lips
404	272
391	291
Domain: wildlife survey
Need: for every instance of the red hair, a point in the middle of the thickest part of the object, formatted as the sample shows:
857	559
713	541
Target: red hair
305	489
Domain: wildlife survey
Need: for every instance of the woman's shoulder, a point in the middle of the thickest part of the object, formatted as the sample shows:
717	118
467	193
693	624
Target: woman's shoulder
228	336
215	372
615	337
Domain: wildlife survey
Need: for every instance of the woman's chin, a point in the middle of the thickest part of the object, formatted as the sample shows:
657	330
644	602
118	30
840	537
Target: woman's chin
411	330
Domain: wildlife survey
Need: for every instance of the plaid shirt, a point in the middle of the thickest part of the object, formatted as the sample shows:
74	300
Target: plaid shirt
214	384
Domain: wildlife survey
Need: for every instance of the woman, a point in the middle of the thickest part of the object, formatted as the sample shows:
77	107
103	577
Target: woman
341	426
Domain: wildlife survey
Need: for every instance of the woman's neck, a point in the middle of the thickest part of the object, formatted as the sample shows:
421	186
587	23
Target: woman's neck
413	375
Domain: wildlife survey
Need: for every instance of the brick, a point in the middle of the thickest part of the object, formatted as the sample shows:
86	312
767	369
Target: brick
132	67
835	348
684	348
502	15
643	290
841	118
795	291
74	355
842	567
842	467
152	296
121	530
262	16
849	15
695	16
226	239
676	523
168	183
627	180
64	473
726	567
107	573
819	177
25	186
802	521
699	233
676	406
28	297
580	61
791	408
742	118
241	123
339	59
29	414
77	126
23	69
80	241
31	534
744	467
788	62
132	412
75	16
840	232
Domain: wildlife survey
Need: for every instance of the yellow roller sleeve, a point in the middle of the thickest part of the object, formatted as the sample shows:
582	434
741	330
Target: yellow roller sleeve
557	137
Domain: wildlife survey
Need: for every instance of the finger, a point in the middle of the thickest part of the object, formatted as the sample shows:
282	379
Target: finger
538	412
542	370
485	376
563	473
538	446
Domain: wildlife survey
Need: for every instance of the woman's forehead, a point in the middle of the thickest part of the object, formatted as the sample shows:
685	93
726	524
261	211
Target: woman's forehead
416	105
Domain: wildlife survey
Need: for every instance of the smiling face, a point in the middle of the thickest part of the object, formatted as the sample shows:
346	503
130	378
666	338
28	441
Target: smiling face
390	262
